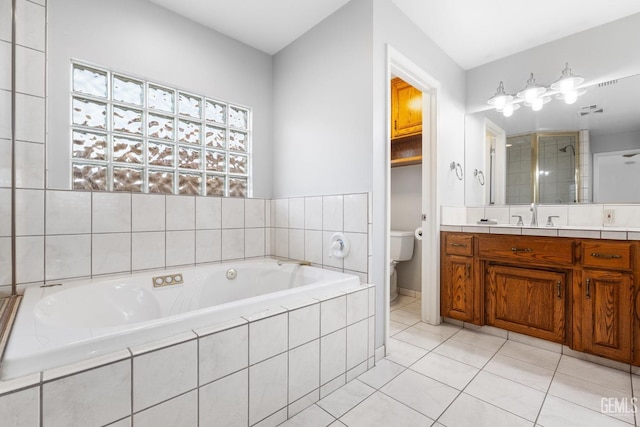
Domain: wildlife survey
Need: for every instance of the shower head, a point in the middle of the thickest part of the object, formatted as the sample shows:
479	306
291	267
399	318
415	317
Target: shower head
566	147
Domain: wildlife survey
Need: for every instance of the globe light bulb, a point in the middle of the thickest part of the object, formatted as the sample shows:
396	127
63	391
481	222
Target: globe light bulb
507	111
571	96
536	104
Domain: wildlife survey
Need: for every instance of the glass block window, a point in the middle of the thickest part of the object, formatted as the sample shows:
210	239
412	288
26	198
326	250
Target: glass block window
130	134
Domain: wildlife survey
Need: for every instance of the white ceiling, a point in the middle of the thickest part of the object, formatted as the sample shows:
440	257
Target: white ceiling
471	32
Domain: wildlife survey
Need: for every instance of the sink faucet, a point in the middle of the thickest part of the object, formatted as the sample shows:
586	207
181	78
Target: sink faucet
534	215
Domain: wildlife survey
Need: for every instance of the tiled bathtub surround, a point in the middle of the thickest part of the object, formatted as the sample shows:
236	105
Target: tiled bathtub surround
257	370
303	227
71	234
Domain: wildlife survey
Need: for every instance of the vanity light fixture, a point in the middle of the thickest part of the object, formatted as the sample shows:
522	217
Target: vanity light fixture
534	95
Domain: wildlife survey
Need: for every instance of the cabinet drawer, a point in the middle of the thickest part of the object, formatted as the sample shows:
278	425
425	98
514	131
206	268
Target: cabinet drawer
616	255
459	244
538	249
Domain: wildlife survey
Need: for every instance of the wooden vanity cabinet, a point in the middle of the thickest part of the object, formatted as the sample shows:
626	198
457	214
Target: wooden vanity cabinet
579	292
526	300
603	314
459	293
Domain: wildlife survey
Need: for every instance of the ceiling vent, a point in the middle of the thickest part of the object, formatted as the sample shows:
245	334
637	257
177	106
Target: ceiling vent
591	109
609	83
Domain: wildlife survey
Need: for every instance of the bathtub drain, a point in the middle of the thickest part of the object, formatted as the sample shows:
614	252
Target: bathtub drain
232	273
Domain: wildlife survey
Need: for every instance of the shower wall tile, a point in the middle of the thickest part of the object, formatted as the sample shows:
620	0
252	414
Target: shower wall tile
357	343
68	256
296	213
5	114
225	402
5	21
29	212
282	213
233	244
111	212
147	212
208	246
30	71
254	243
208	213
31	25
232	213
111	253
29	165
68	212
296	244
163	374
304	370
333	355
21	408
268	388
304	325
357	306
332	213
313	213
5	261
30	259
180	248
327	259
313	246
268	337
355	213
223	353
181	410
95	397
254	213
5	58
584	215
180	212
147	250
5	212
30	118
5	154
358	253
282	242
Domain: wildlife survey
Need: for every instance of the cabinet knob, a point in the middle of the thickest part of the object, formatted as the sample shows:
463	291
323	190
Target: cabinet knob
605	256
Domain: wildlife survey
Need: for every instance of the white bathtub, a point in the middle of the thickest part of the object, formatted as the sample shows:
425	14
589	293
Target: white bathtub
77	320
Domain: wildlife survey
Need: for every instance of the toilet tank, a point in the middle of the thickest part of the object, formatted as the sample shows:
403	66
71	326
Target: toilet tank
401	245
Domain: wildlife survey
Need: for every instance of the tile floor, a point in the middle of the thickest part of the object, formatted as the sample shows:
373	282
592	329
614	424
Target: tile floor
448	376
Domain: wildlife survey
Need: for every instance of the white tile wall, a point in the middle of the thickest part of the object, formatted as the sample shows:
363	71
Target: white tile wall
29	29
147	212
223	353
68	256
30	119
147	250
29	213
332	213
304	325
5	58
179	411
268	387
296	213
224	402
181	212
254	213
208	246
111	253
233	244
268	337
5	262
163	374
180	247
29	165
68	212
333	351
111	212
304	370
30	259
355	213
333	313
94	397
232	213
21	408
30	71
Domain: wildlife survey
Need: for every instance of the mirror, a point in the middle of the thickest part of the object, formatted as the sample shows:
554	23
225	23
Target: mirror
577	153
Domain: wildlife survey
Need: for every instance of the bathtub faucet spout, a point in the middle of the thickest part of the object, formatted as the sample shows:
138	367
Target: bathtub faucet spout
293	261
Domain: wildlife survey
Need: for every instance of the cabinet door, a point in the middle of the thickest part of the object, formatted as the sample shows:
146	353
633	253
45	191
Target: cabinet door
527	301
406	109
607	314
456	294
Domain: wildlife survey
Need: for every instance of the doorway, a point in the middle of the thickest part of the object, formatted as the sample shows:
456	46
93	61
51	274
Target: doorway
400	66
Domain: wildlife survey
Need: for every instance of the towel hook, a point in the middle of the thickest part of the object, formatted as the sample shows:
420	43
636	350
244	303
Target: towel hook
456	166
480	175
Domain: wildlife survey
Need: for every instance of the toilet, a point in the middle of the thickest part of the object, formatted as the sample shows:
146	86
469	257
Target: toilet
401	250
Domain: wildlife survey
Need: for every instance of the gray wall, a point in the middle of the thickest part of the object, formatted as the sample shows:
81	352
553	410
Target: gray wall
159	45
406	207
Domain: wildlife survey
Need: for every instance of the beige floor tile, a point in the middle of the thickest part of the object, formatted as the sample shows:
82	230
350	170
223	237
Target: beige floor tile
402	353
405	317
313	416
603	375
521	372
420	338
465	353
345	398
536	356
506	394
468	411
425	395
381	410
479	339
395	327
557	412
384	371
445	370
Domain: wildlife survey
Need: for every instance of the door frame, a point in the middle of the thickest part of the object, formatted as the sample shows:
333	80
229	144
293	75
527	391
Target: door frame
401	66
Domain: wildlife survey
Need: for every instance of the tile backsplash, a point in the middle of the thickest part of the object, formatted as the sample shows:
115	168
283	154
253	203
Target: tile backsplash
72	234
578	215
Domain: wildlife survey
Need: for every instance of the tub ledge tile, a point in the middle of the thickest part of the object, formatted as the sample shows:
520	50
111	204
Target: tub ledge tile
162	343
270	312
219	327
328	294
15	384
85	365
301	302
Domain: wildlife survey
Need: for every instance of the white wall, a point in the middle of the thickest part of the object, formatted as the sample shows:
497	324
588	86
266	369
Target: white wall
614	142
323	102
140	38
405	209
599	54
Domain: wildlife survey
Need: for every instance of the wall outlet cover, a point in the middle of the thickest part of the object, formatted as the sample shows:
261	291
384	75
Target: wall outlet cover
609	216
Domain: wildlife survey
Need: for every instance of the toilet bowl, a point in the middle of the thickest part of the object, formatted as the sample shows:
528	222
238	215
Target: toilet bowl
401	250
